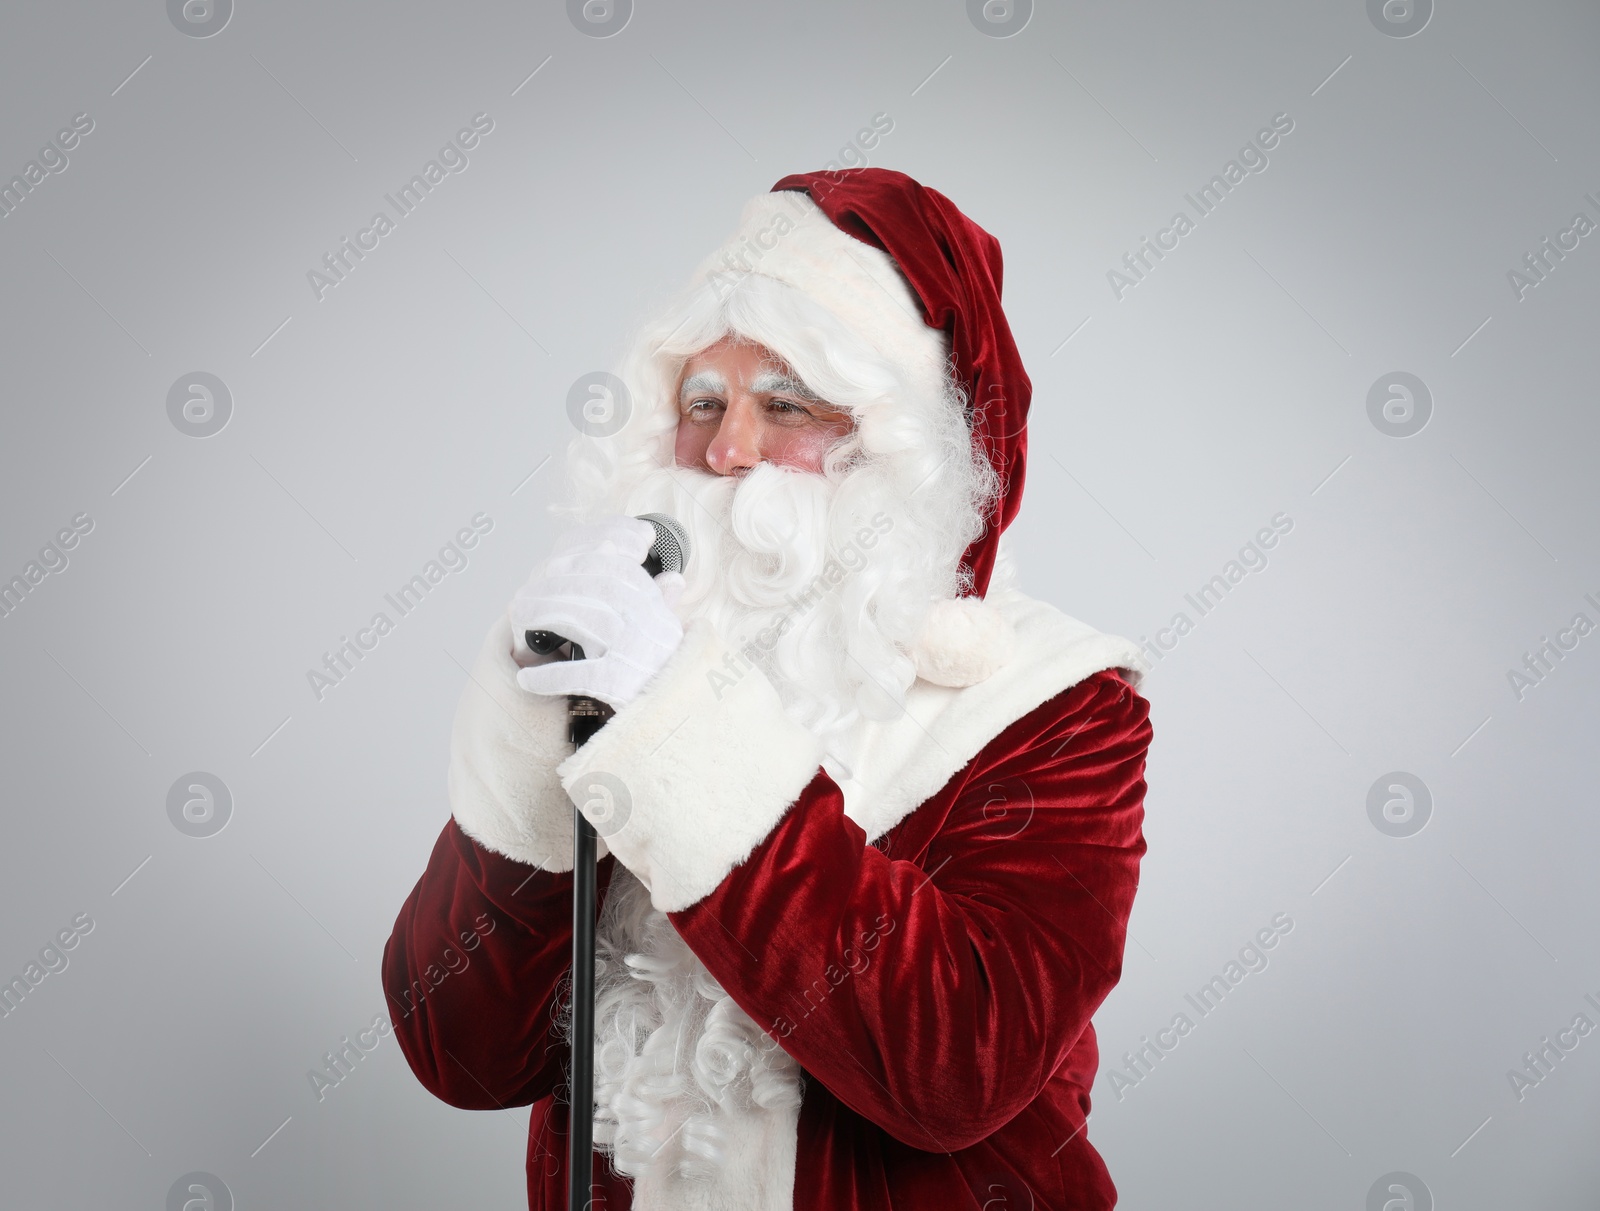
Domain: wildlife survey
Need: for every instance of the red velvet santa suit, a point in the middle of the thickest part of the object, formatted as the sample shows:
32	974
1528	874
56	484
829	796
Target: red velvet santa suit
927	935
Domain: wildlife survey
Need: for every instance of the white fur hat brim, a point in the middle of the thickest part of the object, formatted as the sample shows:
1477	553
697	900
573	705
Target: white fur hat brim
786	236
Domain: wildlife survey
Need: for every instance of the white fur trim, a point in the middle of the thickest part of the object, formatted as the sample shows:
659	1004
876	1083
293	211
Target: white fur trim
900	763
706	762
785	235
504	748
963	642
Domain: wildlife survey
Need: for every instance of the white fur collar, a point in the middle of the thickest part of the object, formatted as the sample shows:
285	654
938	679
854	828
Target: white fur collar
900	763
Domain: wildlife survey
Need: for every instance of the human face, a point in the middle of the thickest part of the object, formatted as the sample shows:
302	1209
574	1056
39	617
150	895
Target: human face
739	405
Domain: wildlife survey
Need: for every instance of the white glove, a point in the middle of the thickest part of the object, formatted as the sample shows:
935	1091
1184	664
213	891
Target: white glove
594	591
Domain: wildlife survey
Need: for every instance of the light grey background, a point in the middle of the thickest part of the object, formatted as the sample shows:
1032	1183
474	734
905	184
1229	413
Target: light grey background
1230	385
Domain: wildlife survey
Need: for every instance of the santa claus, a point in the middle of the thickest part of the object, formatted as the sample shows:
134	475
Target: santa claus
869	816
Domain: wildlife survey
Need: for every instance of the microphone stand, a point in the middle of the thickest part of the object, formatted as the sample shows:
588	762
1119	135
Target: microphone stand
585	717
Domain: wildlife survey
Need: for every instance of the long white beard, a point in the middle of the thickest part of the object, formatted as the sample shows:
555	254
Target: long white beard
693	1099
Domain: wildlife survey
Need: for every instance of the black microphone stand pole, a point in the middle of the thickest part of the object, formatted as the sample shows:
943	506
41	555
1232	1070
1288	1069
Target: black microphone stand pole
585	717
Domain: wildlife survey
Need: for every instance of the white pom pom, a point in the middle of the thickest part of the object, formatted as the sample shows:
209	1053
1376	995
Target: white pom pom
963	641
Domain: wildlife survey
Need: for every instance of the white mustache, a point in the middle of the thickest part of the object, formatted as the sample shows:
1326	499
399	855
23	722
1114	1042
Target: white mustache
780	517
757	537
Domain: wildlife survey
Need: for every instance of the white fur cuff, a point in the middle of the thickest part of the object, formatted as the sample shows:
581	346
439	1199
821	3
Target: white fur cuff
687	779
504	749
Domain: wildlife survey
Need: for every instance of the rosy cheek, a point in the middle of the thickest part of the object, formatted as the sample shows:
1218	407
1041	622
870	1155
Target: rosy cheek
689	448
803	450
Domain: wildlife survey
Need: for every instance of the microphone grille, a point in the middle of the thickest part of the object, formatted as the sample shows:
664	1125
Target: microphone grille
671	547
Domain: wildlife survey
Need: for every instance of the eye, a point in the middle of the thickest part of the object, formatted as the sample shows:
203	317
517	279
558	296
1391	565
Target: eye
791	412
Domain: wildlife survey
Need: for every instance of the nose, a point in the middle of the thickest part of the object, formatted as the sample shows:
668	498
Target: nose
736	448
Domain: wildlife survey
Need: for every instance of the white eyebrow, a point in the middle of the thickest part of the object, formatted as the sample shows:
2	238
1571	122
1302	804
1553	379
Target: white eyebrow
702	381
775	382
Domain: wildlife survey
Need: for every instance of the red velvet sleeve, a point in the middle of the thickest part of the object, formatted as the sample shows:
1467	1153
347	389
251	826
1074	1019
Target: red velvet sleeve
935	993
479	953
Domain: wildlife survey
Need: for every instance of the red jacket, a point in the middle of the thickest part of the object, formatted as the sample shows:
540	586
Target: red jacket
935	983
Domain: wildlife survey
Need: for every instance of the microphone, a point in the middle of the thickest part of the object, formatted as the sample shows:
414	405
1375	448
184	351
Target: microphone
668	553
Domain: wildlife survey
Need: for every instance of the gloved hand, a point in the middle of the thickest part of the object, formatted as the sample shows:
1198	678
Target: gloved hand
594	591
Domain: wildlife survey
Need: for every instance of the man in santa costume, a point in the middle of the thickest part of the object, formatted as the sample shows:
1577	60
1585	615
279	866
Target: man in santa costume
869	816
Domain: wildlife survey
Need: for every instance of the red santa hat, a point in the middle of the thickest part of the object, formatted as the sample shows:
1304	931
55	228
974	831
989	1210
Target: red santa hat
903	268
